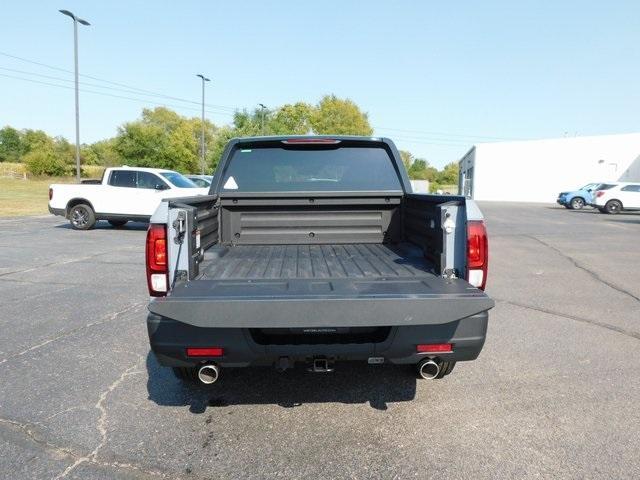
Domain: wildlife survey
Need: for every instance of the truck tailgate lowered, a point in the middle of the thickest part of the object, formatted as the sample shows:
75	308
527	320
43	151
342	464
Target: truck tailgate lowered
300	303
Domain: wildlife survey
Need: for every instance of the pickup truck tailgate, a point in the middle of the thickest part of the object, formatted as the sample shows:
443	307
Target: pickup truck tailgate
316	286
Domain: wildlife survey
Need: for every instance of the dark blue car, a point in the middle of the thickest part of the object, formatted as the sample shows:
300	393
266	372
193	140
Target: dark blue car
579	198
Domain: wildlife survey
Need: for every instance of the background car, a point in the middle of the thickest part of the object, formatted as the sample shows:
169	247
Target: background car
617	197
203	181
579	198
124	194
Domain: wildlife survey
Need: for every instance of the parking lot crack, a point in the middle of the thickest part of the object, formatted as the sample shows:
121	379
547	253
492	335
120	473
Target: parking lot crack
608	326
109	318
30	432
27	429
579	266
102	422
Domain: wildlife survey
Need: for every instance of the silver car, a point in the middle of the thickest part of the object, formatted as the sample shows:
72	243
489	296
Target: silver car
203	181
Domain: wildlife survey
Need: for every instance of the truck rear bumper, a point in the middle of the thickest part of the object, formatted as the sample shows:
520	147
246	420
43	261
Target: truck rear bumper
57	211
170	338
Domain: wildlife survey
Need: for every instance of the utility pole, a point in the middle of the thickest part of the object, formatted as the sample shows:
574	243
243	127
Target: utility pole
262	109
76	20
202	147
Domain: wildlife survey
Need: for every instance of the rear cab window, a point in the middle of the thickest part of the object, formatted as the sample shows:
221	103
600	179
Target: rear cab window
123	178
304	169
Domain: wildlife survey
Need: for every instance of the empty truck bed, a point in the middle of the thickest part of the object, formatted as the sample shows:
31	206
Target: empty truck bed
365	260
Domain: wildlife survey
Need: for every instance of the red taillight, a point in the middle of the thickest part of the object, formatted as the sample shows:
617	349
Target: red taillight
205	352
50	193
310	141
599	193
160	251
434	348
156	254
477	253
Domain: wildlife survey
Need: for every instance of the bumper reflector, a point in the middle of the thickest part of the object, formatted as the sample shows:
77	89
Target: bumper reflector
434	348
204	352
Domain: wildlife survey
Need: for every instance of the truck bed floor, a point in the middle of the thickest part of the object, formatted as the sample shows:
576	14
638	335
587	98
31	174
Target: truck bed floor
315	261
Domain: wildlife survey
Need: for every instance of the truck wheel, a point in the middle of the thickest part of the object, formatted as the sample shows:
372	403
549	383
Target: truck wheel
82	217
118	223
186	373
613	206
577	203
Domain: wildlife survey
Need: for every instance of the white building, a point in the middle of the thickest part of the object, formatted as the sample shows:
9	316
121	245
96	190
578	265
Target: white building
537	170
420	186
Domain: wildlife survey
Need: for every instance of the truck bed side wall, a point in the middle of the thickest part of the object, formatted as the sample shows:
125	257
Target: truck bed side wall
201	220
425	218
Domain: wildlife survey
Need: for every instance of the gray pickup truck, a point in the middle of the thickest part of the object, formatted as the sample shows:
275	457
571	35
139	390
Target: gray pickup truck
314	250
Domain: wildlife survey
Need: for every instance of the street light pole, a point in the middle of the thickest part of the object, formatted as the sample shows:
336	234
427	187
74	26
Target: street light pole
202	148
262	108
76	20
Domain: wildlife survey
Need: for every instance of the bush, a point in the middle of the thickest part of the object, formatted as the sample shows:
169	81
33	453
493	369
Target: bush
45	162
90	171
8	169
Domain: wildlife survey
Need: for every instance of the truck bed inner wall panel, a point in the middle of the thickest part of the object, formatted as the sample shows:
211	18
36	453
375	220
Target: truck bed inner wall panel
312	223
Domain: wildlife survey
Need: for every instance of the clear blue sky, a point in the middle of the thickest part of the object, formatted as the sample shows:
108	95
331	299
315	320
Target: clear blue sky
435	76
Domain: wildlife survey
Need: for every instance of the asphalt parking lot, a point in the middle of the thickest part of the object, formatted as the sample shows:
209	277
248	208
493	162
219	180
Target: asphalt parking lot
554	394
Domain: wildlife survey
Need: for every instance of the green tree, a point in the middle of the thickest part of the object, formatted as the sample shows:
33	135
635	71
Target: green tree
249	124
291	119
335	116
88	156
104	152
44	161
448	175
163	139
11	146
36	140
421	170
65	150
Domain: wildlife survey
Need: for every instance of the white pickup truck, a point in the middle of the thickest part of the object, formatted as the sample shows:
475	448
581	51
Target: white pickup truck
123	194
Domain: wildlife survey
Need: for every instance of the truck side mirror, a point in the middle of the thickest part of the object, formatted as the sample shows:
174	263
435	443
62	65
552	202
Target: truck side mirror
160	186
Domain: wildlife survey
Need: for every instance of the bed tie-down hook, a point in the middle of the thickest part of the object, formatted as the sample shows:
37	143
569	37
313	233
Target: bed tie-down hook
449	223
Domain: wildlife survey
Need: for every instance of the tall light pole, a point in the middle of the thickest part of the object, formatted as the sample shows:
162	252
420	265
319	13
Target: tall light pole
76	20
262	109
202	151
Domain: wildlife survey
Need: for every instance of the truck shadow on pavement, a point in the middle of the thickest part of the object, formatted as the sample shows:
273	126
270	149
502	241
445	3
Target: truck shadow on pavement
625	219
349	383
103	225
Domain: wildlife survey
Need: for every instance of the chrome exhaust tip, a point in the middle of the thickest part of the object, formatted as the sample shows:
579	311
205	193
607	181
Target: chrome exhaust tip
208	373
428	369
